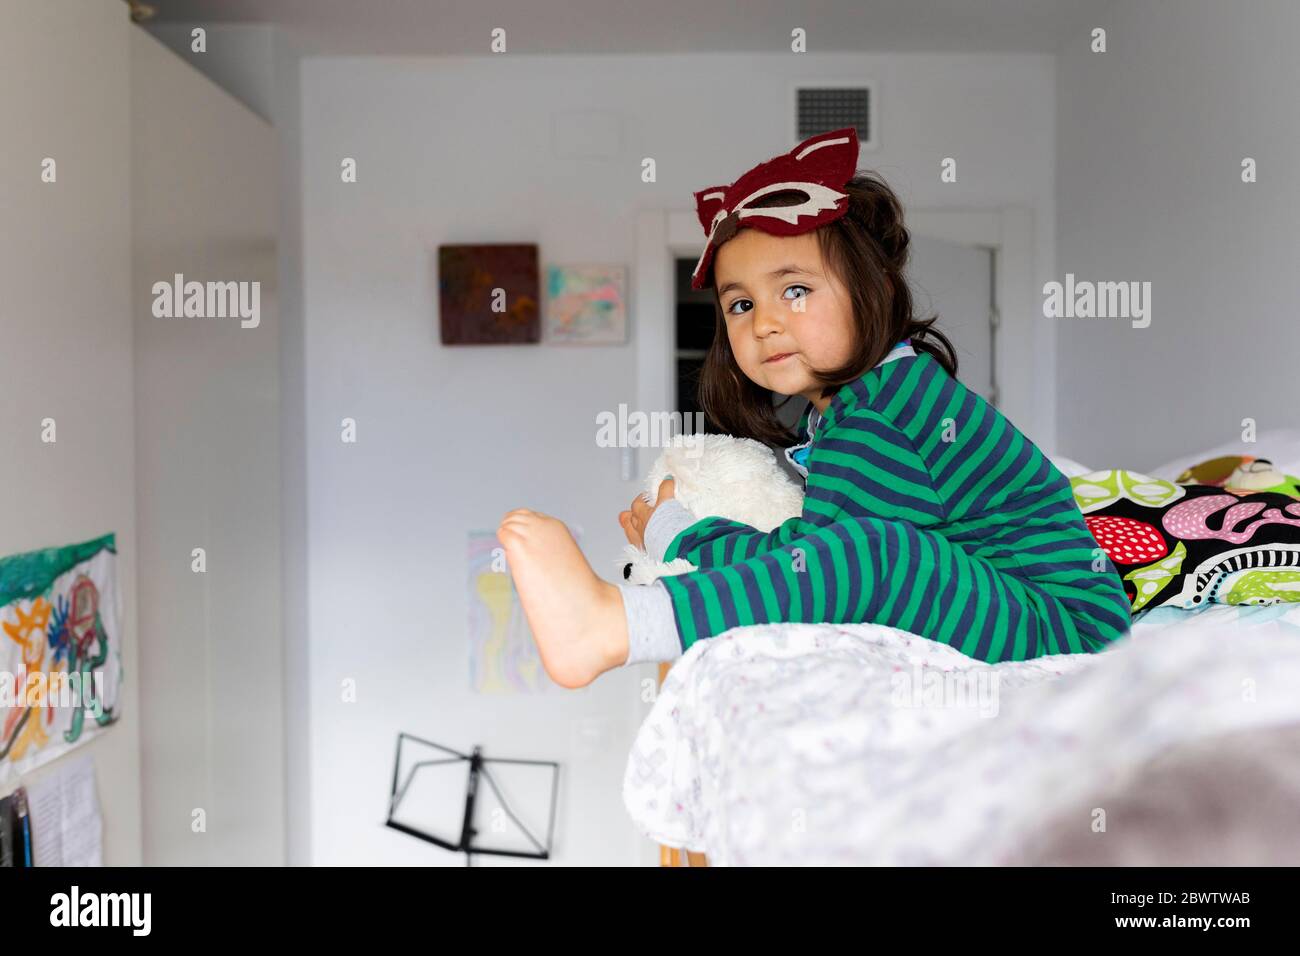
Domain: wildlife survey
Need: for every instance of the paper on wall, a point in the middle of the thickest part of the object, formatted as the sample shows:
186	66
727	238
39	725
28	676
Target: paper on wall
67	829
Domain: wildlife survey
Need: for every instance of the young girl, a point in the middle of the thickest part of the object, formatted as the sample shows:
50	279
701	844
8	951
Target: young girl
926	509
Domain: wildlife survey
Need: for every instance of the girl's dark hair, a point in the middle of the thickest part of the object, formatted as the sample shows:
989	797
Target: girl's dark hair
867	248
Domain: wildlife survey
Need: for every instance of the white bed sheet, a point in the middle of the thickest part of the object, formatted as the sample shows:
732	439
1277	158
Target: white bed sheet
791	745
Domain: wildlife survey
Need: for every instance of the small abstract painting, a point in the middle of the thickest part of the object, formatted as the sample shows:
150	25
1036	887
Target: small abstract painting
60	652
586	305
488	294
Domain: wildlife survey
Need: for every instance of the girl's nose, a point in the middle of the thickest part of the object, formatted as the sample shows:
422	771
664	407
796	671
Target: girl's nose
766	321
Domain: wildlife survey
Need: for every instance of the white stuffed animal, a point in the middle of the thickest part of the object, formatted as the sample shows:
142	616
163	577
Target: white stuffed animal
716	476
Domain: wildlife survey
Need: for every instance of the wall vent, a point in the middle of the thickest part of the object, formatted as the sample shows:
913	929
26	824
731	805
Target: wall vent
822	107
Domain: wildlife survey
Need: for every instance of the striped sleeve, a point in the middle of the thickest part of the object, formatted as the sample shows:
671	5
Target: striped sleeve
715	542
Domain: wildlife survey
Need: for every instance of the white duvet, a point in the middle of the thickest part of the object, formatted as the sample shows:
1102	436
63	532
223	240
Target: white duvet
799	744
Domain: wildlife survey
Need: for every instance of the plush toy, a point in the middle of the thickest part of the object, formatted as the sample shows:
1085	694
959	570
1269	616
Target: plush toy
1241	475
716	476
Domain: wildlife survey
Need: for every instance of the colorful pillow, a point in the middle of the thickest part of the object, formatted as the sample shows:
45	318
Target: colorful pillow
1185	545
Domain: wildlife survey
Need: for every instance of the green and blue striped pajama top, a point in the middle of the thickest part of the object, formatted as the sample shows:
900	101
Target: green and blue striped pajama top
926	510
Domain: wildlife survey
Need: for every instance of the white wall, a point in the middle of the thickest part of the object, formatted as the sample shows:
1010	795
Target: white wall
462	150
204	204
259	65
287	111
65	328
1151	138
238	57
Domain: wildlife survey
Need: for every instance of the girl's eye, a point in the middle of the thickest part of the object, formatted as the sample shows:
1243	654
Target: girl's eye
731	308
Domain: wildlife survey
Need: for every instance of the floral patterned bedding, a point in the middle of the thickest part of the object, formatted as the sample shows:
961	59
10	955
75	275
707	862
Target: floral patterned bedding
1186	544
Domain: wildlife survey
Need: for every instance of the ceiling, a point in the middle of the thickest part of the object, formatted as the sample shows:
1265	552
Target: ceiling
462	27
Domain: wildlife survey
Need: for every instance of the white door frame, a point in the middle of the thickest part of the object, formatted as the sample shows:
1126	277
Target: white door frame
1024	355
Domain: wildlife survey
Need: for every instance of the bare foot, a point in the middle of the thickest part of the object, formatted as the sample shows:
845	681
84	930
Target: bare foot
576	618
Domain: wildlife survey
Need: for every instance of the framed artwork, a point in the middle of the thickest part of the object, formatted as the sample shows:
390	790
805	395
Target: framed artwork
488	294
586	305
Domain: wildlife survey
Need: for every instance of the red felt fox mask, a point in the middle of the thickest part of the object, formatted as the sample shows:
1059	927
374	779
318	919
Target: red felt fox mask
814	173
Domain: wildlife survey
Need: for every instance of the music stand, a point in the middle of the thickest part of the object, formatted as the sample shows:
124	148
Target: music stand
477	768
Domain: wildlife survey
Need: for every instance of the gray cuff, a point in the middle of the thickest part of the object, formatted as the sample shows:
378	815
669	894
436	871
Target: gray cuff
651	627
667	521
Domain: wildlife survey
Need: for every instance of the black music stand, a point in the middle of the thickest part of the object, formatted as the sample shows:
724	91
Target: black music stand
477	768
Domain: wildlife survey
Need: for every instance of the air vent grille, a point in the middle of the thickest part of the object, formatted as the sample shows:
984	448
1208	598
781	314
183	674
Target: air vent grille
824	108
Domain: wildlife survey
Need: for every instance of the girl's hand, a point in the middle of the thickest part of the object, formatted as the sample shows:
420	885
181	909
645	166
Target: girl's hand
634	521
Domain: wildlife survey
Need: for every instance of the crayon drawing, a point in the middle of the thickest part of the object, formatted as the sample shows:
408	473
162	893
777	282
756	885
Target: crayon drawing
503	656
60	651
